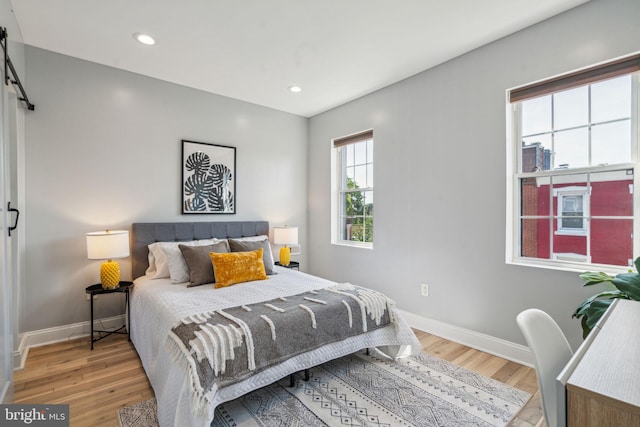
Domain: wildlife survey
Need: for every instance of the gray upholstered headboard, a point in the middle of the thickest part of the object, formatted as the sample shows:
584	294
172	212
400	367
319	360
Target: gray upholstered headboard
145	233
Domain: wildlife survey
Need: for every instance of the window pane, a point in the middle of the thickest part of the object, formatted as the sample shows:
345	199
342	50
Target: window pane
536	115
611	193
611	99
611	143
370	175
360	152
611	241
360	176
351	174
570	248
571	148
370	151
571	108
535	197
535	238
357	223
349	156
536	153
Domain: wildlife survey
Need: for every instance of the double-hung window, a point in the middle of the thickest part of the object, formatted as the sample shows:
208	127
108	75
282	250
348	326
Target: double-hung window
353	189
574	153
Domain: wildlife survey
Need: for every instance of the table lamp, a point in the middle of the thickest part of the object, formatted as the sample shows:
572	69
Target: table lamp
285	236
108	245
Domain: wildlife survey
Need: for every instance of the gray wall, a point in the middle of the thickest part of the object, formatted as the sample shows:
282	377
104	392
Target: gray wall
440	177
103	150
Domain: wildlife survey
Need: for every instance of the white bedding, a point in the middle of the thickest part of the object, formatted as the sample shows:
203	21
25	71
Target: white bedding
157	305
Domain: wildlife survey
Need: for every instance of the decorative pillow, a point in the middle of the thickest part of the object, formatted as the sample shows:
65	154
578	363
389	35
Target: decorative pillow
245	244
237	267
169	261
199	262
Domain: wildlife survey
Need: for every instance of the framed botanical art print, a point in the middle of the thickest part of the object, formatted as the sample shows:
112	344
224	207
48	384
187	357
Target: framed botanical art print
208	178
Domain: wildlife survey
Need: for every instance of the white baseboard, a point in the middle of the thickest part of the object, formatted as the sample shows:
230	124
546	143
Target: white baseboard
61	333
496	346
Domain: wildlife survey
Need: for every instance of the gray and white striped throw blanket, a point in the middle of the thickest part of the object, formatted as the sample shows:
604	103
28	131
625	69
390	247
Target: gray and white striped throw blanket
226	346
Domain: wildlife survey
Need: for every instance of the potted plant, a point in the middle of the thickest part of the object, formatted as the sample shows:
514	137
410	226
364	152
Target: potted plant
624	286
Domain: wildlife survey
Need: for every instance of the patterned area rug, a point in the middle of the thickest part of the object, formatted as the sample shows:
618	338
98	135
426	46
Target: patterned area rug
361	390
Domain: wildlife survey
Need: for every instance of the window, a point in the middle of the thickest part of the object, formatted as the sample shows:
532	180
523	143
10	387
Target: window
353	189
574	141
573	203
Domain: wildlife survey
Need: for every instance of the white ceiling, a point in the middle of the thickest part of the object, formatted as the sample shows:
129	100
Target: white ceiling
253	50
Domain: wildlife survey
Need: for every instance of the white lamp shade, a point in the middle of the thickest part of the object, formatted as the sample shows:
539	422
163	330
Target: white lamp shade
108	244
285	235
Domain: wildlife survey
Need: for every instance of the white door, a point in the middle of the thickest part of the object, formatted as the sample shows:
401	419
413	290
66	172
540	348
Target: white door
6	296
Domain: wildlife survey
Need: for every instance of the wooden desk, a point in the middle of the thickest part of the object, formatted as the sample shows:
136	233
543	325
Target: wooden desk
603	388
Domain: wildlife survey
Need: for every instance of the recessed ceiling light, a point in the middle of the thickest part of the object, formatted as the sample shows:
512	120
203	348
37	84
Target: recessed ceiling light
295	89
144	39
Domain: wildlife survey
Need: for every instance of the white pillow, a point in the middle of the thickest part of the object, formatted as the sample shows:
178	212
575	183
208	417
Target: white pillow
169	261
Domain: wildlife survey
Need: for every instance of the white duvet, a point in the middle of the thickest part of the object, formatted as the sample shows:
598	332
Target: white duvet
157	305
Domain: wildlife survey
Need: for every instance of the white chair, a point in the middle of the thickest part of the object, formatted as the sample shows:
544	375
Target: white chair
551	352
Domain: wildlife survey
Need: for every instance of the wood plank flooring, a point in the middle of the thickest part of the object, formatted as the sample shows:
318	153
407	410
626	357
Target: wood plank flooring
96	383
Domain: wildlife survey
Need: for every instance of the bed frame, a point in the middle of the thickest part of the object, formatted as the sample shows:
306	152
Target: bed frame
145	233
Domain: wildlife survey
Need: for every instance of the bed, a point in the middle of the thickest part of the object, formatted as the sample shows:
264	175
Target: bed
165	314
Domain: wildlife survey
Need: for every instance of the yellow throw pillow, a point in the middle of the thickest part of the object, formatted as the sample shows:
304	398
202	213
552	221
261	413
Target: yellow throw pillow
237	267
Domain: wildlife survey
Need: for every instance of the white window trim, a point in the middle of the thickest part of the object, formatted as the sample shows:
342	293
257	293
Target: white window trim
512	236
336	179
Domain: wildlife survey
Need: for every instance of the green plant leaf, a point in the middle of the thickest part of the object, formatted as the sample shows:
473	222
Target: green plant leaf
629	283
626	285
593	278
616	294
593	314
585	328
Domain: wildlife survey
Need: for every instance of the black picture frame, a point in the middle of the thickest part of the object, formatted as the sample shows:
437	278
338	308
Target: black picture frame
208	178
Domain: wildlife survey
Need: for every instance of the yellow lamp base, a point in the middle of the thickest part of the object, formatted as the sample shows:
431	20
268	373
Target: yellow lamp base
285	256
110	275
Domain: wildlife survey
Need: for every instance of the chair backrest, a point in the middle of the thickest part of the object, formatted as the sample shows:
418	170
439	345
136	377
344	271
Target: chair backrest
551	352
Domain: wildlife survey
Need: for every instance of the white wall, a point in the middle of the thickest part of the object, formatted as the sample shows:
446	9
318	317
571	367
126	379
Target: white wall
440	177
103	151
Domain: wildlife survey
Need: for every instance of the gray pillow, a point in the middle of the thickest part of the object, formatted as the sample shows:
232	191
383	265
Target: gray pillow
199	262
252	245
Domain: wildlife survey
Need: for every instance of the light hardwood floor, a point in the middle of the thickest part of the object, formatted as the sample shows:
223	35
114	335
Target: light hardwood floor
96	383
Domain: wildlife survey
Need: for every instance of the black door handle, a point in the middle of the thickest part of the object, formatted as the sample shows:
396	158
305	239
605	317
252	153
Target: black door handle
15	224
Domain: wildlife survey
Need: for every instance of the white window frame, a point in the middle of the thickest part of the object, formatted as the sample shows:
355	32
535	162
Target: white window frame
561	261
338	176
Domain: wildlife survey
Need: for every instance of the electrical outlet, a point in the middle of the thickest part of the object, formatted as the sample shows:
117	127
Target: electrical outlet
424	290
95	297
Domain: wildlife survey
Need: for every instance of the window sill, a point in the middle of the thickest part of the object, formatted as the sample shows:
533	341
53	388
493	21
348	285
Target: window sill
570	232
353	244
577	267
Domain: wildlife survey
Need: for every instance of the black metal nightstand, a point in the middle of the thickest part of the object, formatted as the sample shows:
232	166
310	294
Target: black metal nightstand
97	290
294	265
